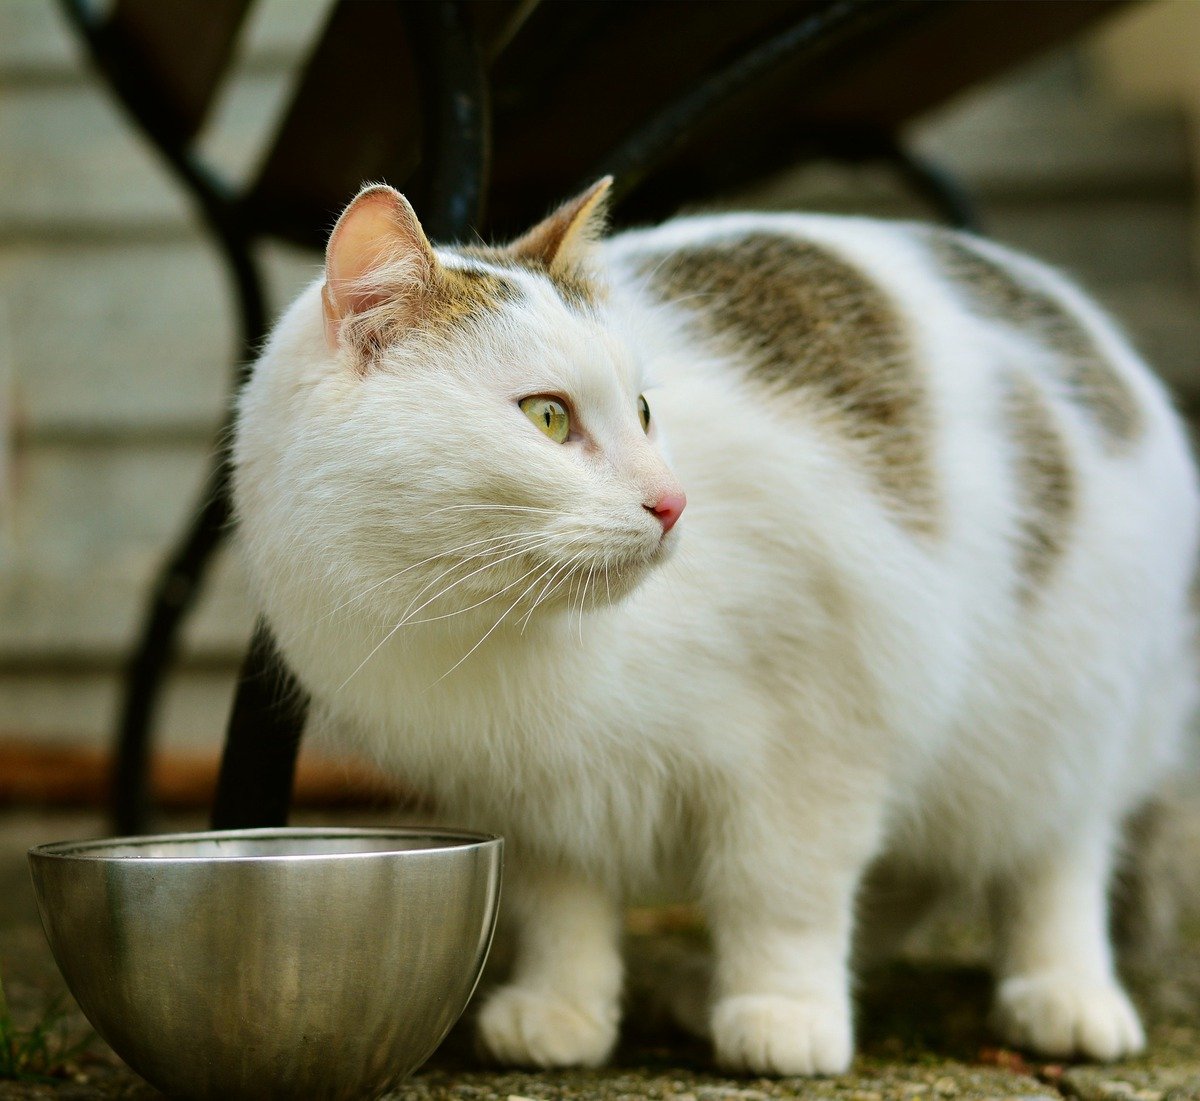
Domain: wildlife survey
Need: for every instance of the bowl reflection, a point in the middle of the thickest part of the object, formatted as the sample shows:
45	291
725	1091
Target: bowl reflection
277	963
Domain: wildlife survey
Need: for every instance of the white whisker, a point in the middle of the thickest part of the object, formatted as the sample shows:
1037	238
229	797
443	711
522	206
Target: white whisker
407	613
541	540
498	508
425	562
485	636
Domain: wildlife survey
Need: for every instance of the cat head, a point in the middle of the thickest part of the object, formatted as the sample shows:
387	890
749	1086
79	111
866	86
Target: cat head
452	434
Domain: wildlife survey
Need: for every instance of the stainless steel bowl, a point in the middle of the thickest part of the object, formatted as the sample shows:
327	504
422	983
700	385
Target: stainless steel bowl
278	963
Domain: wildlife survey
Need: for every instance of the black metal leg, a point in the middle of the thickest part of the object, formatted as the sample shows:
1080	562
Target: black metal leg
456	116
935	185
180	582
262	742
173	597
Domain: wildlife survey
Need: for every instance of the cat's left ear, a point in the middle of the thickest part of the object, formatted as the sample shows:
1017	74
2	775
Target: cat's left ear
560	243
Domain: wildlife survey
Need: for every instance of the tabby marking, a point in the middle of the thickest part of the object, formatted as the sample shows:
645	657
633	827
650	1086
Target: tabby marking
805	318
1045	483
1093	383
573	285
450	298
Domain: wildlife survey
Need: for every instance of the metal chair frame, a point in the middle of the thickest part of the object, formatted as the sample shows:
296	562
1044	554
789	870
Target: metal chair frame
269	710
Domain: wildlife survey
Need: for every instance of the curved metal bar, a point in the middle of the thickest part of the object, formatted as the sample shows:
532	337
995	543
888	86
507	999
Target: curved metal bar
180	580
173	596
217	204
455	116
935	185
653	144
258	766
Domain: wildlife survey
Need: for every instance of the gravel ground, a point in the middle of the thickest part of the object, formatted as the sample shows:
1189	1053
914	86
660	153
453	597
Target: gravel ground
922	1027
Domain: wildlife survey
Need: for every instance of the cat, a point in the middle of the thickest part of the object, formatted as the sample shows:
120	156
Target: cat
740	556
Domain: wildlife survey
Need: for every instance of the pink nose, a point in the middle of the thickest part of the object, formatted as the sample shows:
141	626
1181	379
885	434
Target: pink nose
668	509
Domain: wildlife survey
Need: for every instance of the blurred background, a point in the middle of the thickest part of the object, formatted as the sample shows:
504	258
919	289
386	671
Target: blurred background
117	328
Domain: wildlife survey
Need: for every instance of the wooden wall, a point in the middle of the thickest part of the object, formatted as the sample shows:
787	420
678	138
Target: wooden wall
116	326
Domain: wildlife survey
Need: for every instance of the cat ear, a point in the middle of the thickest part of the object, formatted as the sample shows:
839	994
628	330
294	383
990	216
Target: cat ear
378	267
560	243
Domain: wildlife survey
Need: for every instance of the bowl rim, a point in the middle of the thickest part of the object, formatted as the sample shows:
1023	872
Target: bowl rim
88	851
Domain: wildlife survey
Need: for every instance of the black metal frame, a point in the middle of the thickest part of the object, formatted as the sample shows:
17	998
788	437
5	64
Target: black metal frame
270	708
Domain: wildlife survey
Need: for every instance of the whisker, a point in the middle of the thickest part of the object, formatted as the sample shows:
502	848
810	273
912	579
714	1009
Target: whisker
407	614
485	636
524	622
433	619
557	579
477	604
583	601
524	549
425	562
498	508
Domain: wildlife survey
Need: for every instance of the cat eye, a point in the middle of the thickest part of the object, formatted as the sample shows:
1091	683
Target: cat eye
549	414
644	413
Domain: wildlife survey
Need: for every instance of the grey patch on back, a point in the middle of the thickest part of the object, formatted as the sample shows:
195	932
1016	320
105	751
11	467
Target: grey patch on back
1045	483
995	292
804	319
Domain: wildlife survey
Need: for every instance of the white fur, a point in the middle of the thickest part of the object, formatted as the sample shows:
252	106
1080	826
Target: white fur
802	688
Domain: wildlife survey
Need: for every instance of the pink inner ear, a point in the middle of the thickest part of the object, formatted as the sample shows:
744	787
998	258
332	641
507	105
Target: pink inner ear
377	230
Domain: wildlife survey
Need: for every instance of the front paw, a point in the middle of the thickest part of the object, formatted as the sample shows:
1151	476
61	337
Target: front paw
531	1028
769	1034
1060	1015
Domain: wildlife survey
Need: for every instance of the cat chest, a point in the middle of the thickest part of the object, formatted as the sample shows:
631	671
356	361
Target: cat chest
600	799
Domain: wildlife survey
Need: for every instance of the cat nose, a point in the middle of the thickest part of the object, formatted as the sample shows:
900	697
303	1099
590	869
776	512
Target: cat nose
667	509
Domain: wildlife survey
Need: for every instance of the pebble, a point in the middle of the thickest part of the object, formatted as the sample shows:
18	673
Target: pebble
719	1093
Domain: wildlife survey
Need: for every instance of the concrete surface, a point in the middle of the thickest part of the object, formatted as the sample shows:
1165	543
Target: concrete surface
922	1030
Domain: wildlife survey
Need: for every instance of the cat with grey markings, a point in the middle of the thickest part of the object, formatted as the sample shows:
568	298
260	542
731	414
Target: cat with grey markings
740	557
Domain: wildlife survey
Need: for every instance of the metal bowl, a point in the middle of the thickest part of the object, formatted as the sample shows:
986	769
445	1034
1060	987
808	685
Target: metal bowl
275	963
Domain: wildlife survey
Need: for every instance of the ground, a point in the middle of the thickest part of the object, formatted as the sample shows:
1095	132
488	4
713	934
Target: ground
922	1026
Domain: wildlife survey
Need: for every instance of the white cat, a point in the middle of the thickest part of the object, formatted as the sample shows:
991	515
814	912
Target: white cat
925	610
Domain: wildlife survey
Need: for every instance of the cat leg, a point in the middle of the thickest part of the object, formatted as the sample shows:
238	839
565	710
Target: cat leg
1058	993
780	898
561	1006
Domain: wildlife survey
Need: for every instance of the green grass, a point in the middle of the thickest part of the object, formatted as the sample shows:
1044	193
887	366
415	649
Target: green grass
41	1051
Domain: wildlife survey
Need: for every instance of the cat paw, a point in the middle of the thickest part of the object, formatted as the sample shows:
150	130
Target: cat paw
769	1034
1060	1016
530	1028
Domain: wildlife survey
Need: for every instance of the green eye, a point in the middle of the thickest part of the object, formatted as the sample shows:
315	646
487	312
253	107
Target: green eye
644	413
549	414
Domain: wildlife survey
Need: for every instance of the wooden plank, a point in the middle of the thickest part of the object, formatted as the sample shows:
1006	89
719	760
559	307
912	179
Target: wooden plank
148	350
78	776
57	708
69	158
1004	143
89	616
72	164
88	531
37	45
1102	242
1164	324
